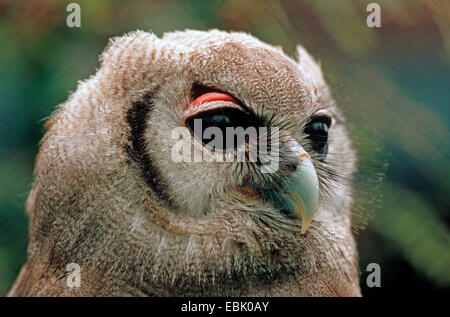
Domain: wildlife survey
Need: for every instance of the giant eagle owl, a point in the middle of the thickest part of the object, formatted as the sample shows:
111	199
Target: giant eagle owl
134	186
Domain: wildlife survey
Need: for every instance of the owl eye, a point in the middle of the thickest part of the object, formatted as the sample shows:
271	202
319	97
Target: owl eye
210	127
317	133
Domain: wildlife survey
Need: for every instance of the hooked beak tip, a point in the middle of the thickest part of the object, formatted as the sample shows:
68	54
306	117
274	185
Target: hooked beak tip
303	189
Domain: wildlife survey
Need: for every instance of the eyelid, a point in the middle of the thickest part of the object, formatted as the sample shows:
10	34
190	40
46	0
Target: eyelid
324	116
214	105
211	97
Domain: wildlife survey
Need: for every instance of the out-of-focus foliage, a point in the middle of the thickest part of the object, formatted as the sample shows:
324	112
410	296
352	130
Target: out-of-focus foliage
393	83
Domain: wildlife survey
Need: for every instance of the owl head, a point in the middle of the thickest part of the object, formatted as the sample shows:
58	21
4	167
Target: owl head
199	163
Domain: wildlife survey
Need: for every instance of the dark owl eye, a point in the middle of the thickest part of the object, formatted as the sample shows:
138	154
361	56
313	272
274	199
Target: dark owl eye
317	133
210	127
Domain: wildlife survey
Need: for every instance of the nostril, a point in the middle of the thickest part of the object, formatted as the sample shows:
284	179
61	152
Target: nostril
292	167
290	164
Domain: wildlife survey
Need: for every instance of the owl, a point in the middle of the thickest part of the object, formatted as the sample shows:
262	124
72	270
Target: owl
201	163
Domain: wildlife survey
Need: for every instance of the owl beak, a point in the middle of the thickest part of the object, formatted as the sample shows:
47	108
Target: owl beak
301	192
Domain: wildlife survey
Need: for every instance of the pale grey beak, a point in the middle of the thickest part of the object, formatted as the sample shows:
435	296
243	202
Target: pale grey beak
301	191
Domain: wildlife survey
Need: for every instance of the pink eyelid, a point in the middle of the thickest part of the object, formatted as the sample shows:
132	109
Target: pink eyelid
209	97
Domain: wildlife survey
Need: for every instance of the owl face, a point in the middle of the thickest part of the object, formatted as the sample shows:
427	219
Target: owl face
129	172
237	81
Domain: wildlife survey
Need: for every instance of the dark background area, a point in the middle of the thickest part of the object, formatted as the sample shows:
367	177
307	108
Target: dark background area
392	82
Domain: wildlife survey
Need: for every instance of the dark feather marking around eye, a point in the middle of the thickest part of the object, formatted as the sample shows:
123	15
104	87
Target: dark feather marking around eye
137	118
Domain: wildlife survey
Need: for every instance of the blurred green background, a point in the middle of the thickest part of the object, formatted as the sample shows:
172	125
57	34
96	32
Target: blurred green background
393	83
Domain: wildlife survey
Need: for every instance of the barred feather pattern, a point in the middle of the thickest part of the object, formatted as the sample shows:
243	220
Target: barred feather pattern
108	197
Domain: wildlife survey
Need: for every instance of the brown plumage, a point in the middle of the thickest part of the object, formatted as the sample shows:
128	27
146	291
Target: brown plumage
108	196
